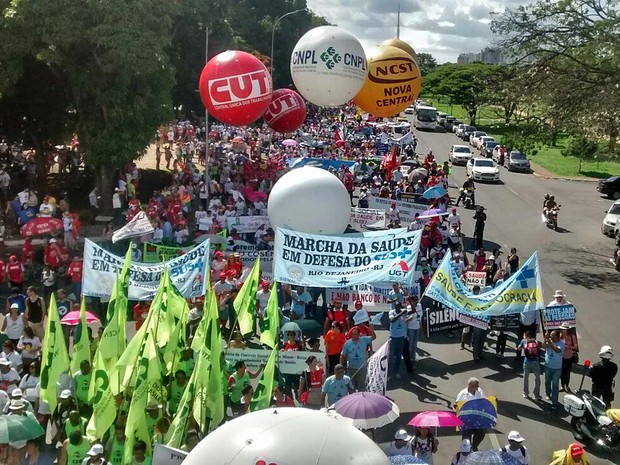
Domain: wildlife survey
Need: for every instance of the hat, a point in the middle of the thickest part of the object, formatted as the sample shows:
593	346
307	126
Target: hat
559	293
454	210
12	257
116	189
14	305
576	449
66	394
16	404
606	352
466	446
5	362
222	275
97	449
515	436
264	284
402	435
52	241
17	393
194	314
565	325
219	254
153	405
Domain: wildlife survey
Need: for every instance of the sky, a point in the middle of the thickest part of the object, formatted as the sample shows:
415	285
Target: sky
443	28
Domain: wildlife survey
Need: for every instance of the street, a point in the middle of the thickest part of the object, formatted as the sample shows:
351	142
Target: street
575	259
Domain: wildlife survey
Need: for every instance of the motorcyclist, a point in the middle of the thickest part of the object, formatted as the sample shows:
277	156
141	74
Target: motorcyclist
468	185
549	205
603	373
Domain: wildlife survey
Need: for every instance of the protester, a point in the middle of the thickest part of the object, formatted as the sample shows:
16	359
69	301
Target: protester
424	444
401	445
461	456
354	355
472	391
570	355
554	347
398	331
516	449
573	455
531	363
334	341
336	386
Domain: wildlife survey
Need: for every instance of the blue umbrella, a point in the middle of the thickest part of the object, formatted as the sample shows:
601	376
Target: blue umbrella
491	457
434	192
478	414
406	460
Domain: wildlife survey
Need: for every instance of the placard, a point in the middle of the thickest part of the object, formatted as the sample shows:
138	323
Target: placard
407	209
291	362
475	278
372	296
247	224
440	319
555	315
367	218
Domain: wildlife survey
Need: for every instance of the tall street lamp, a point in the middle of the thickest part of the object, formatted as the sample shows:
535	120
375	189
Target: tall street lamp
273	33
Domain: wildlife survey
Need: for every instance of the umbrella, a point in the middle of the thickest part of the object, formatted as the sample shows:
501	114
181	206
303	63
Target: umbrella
491	457
434	192
478	414
40	226
432	213
73	318
406	460
367	409
435	418
289	143
214	238
15	428
290	326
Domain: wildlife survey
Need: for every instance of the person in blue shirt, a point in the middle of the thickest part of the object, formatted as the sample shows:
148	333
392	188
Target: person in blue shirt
554	348
18	298
398	332
336	386
168	232
397	295
354	355
299	298
26	214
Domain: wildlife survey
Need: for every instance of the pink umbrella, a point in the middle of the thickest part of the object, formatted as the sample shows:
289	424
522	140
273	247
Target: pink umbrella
73	318
435	418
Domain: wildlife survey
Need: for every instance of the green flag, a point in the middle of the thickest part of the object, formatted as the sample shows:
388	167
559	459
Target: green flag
175	353
178	426
270	326
245	302
81	343
216	409
100	394
55	359
264	390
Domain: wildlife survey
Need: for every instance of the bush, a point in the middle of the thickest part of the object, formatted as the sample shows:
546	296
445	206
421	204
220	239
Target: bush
581	146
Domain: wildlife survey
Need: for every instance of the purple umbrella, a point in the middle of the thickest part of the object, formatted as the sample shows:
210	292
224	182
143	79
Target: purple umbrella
432	213
367	410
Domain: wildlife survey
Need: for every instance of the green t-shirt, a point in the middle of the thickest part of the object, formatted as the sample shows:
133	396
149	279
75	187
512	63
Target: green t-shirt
176	392
77	454
116	452
235	394
81	383
70	428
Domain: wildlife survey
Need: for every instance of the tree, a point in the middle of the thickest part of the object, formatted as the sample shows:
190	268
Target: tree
505	90
427	63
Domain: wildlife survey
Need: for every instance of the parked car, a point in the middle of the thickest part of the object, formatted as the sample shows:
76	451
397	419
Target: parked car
610	187
459	129
517	161
440	115
448	122
482	169
467	131
408	111
455	125
611	220
479	141
474	135
487	148
460	154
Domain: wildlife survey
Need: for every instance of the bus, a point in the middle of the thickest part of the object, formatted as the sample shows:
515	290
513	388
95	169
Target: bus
425	118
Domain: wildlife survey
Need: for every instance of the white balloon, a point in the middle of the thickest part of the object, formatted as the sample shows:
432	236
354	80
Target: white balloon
310	200
328	66
287	436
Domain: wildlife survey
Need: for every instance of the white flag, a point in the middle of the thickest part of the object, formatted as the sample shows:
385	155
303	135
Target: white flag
138	226
377	370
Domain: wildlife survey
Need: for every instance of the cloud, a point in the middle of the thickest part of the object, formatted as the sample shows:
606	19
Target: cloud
444	28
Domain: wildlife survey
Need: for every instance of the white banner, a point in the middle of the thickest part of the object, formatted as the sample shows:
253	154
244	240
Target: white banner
138	226
372	296
367	218
165	455
346	260
407	209
249	253
377	370
247	224
291	362
187	272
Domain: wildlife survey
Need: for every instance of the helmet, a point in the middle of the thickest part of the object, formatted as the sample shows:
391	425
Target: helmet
551	197
546	196
606	352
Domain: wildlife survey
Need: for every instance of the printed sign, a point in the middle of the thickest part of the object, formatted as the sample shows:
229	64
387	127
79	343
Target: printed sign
372	296
350	259
367	218
477	321
249	253
291	362
376	370
407	209
247	224
555	315
506	323
165	455
155	253
440	319
188	273
475	278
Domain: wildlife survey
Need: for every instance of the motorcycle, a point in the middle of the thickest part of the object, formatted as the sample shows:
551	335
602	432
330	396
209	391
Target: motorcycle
551	217
589	420
468	197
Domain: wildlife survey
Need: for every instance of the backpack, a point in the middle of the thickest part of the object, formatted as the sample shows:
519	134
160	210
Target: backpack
521	449
531	349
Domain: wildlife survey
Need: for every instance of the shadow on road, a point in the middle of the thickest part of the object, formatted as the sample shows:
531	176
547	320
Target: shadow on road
530	410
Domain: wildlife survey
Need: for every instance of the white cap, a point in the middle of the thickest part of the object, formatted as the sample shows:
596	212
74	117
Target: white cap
466	446
16	404
17	393
5	362
605	352
66	394
14	305
97	449
515	436
402	435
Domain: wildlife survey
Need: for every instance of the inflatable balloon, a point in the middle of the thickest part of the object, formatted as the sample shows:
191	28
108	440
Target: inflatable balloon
286	112
392	84
328	66
235	87
310	200
286	436
403	46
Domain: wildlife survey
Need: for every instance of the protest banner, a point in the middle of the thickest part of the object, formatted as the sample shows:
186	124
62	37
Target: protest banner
367	218
165	455
475	320
138	226
247	224
521	292
407	209
345	260
555	315
291	362
440	319
475	278
377	370
249	253
506	323
155	253
372	296
188	273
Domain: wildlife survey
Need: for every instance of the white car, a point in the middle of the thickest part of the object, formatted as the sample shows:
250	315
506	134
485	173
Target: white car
611	220
475	135
460	154
482	169
479	142
409	111
459	129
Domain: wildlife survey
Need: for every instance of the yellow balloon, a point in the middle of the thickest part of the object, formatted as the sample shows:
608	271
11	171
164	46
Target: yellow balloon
403	46
392	84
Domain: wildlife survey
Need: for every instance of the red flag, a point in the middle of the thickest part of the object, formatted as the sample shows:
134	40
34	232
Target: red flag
390	162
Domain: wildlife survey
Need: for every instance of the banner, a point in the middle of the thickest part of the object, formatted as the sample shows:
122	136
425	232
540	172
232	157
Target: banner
155	253
372	296
249	253
138	226
407	209
324	163
377	370
475	320
164	455
475	278
350	259
290	362
441	319
188	273
521	292
507	323
247	224
555	315
367	218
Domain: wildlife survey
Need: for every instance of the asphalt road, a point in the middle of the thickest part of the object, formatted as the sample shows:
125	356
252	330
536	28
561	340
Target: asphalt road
575	259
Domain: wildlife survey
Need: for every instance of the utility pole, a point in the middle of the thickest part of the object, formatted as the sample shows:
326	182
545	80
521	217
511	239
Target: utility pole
398	23
206	111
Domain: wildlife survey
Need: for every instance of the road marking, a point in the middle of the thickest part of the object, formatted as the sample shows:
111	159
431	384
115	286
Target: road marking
512	190
494	441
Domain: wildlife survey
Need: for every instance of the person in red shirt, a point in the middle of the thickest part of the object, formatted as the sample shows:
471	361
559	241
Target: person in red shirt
336	313
75	273
27	251
2	271
280	398
51	257
15	271
140	311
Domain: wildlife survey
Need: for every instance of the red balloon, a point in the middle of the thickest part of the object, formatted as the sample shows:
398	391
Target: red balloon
235	87
286	112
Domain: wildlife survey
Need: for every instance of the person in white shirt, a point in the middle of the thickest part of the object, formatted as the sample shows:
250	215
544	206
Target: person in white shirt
46	209
394	213
241	207
559	298
414	322
401	445
416	224
181	235
259	206
458	265
516	448
454	219
472	391
262	298
158	235
9	378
